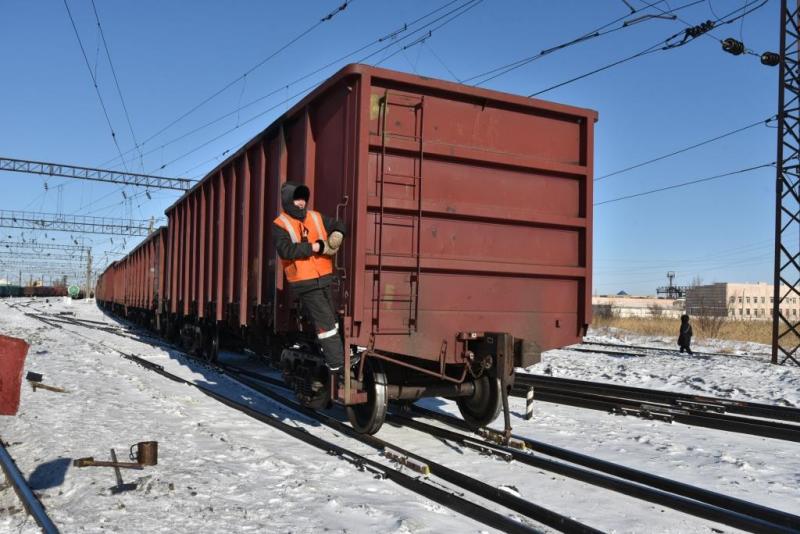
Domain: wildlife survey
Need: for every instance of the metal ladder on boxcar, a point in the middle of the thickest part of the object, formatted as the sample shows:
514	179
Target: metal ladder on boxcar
414	180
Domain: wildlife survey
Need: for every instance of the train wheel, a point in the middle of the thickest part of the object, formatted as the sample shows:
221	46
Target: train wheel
367	418
484	405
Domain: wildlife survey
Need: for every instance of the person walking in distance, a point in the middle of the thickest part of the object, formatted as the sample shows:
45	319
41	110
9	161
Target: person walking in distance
685	335
306	242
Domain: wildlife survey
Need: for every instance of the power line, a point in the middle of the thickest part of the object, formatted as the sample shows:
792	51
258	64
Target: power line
94	83
442	63
597	32
261	63
685	149
383	38
684	184
456	12
689	35
116	81
420	40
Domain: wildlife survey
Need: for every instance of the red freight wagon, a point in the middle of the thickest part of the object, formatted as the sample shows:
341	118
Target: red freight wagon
133	285
104	287
468	249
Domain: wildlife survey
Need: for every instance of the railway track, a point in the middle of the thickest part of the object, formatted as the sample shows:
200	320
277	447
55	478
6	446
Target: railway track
622	349
679	496
711	412
682	497
29	500
453	499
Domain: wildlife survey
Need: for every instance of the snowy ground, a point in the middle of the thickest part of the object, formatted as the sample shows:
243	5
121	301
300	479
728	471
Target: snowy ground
220	471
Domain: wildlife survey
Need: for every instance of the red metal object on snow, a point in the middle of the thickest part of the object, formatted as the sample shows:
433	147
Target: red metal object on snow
12	360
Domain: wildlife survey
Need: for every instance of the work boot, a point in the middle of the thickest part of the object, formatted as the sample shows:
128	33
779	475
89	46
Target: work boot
355	359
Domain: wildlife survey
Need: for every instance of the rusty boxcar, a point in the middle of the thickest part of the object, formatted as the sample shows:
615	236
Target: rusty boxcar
468	252
133	286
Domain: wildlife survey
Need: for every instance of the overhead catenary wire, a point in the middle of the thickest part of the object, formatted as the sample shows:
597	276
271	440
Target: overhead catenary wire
422	39
597	32
667	44
686	149
393	35
404	33
94	83
452	14
252	69
685	184
116	82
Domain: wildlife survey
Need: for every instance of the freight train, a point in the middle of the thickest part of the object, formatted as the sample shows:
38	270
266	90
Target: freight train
468	252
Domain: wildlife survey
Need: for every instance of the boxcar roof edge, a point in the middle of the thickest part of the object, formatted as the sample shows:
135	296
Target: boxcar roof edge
404	78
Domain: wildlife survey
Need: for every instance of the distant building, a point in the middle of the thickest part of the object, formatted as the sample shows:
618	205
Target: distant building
631	306
739	301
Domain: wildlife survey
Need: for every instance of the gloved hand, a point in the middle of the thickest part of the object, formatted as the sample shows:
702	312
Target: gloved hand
333	243
335	239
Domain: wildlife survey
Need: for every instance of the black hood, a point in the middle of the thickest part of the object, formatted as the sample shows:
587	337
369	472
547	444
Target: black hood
290	191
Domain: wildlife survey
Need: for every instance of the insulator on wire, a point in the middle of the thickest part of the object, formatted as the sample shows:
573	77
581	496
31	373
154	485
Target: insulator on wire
732	46
770	59
700	29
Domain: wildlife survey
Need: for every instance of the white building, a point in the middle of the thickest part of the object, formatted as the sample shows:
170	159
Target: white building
631	306
740	301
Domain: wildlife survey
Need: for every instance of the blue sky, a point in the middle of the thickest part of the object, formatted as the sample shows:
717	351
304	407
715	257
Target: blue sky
170	56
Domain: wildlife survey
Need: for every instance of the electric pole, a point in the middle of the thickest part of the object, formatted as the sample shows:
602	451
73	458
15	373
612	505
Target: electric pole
785	334
88	272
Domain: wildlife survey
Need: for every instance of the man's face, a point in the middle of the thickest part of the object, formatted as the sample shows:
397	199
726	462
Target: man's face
300	203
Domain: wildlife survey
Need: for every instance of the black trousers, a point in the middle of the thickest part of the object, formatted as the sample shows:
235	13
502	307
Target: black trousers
315	297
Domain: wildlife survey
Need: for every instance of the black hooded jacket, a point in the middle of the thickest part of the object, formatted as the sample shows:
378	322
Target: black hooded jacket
685	332
283	242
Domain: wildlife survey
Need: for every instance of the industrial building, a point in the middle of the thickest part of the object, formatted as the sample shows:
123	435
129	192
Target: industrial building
739	301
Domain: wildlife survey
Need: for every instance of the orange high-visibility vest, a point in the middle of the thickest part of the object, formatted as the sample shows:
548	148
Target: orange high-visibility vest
310	230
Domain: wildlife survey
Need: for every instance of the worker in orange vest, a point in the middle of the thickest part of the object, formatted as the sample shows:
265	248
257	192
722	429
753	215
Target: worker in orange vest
306	242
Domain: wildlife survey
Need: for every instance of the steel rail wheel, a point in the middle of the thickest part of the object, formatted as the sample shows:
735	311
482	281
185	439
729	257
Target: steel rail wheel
483	406
368	417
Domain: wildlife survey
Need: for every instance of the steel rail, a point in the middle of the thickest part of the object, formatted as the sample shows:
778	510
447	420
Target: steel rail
676	399
446	498
694	493
491	493
581	346
729	423
682	497
625	480
29	500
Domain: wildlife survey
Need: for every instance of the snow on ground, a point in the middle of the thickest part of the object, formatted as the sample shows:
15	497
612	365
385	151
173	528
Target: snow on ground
745	374
220	471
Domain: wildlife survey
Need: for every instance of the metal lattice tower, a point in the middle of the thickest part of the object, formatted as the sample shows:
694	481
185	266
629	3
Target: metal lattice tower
97	175
785	332
35	246
42	256
28	220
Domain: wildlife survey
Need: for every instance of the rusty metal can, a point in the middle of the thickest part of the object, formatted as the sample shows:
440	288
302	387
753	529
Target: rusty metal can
146	453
